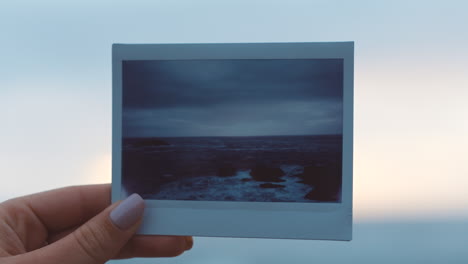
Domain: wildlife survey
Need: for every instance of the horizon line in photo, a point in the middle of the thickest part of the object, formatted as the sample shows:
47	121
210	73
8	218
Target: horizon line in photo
244	136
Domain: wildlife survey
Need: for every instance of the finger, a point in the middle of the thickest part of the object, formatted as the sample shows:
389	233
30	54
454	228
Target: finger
145	245
53	237
65	208
98	240
156	246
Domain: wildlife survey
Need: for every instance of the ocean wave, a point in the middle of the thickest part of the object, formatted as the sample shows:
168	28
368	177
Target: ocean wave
239	187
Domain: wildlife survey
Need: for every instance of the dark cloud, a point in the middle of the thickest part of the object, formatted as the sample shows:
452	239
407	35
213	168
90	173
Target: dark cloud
232	97
162	84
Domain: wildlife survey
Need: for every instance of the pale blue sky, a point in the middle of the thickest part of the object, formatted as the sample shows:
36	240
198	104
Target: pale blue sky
411	86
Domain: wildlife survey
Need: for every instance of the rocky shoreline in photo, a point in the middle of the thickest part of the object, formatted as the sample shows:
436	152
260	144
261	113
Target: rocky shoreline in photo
157	163
325	179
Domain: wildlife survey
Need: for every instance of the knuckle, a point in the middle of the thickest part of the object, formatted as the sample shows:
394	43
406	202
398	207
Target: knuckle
92	240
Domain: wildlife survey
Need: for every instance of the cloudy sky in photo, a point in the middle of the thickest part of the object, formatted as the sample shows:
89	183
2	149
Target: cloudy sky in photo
232	97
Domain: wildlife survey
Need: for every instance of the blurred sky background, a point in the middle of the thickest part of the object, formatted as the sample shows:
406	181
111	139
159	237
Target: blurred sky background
411	110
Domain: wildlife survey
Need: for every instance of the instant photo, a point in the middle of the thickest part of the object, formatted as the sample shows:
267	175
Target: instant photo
236	139
233	130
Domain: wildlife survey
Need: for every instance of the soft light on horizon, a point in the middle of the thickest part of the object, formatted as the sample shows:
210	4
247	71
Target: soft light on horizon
398	174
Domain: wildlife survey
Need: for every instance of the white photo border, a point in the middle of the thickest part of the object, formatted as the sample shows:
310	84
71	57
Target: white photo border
324	221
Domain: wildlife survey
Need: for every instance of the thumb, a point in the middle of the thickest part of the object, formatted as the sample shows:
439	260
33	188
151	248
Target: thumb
102	237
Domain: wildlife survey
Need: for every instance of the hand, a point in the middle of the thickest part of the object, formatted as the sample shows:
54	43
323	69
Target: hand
78	225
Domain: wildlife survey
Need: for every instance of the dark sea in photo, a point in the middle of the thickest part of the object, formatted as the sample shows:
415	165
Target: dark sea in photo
248	168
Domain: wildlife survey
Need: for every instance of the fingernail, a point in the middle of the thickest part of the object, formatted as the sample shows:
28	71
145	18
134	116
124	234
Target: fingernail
128	212
188	243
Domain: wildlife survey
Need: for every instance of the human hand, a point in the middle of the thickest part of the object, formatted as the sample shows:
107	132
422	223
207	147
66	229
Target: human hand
78	225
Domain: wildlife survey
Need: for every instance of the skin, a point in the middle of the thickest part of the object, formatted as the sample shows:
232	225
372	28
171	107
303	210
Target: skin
72	225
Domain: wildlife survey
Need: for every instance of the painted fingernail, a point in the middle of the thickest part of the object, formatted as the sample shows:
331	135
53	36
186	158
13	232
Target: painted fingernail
128	212
188	242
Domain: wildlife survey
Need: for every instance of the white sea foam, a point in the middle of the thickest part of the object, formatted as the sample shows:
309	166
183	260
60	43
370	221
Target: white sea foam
215	188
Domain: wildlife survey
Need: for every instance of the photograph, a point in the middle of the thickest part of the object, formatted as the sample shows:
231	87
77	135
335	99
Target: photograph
243	130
